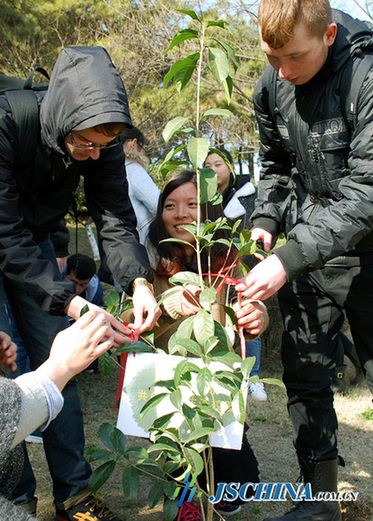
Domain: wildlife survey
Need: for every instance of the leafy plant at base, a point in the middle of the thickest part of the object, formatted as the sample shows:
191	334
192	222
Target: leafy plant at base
177	451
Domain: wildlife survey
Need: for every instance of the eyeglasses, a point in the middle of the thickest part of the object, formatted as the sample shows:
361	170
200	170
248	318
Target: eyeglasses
90	145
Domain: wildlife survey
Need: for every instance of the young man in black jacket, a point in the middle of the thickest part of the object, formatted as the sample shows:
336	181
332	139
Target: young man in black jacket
83	112
316	186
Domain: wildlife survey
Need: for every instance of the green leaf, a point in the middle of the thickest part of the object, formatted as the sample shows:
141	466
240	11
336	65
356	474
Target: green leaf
170	509
163	421
194	459
139	452
207	410
190	13
228	88
182	369
187	63
169	488
134	347
155	495
175	398
238	407
204	379
119	441
130	481
247	366
245	269
217	199
230	53
218	112
105	364
106	431
111	309
181	36
198	148
230	312
188	413
198	446
210	344
199	433
217	23
170	155
245	237
224	341
179	240
173	346
84	310
151	468
232	376
227	358
100	476
185	329
182	77
171	466
191	346
230	384
207	297
209	184
185	277
171	165
162	447
112	299
168	384
273	381
203	327
148	335
219	64
101	455
153	402
172	126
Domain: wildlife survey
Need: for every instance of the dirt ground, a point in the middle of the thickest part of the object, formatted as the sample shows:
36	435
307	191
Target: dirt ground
270	436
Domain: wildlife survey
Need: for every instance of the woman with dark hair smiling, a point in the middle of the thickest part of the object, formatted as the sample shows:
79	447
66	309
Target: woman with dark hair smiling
177	207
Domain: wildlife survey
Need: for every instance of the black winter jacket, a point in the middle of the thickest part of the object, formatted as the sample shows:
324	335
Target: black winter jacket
316	180
85	90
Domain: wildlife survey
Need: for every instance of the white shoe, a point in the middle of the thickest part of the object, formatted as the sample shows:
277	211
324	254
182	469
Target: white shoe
258	392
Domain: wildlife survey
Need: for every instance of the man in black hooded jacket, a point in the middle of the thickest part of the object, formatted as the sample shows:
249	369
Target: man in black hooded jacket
83	112
316	185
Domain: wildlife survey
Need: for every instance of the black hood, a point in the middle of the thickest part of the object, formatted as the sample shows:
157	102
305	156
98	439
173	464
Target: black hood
352	34
85	90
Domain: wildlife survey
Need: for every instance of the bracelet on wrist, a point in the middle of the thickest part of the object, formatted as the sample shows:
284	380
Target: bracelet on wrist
142	282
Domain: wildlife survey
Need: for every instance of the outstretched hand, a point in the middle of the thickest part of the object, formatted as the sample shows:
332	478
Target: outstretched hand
8	352
76	347
190	299
258	234
252	316
145	309
117	330
264	280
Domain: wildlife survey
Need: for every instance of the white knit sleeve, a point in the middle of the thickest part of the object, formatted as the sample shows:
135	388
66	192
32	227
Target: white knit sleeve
41	401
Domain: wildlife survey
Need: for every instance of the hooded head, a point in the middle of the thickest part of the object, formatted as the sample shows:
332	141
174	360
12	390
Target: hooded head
85	90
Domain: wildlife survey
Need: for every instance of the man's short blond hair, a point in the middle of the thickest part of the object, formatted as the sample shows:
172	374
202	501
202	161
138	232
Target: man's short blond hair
277	19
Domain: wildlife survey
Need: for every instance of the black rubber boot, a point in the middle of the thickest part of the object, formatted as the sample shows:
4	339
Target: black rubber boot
323	478
359	376
338	384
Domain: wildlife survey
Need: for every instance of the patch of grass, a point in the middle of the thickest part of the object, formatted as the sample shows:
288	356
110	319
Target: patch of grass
367	414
